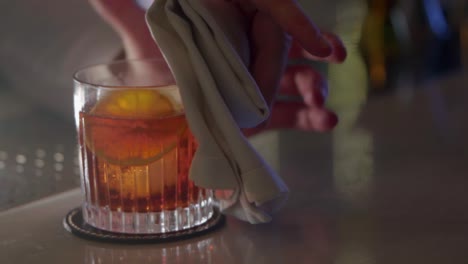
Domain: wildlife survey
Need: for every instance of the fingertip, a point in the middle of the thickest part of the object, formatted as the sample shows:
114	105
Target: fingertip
339	53
333	119
320	47
324	120
339	50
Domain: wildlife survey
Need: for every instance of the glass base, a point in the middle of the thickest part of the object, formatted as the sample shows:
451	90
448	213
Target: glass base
148	223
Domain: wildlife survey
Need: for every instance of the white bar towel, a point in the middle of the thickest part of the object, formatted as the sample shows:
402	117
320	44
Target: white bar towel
206	45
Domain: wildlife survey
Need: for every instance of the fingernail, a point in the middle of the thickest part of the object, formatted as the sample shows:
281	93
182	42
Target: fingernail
324	120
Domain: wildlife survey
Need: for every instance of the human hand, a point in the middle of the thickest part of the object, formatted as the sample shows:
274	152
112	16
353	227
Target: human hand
272	25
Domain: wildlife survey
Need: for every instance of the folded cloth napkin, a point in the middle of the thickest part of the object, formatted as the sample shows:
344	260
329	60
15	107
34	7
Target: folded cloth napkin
206	45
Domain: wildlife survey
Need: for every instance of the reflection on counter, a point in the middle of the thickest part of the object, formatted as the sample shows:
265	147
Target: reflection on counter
213	248
193	252
237	243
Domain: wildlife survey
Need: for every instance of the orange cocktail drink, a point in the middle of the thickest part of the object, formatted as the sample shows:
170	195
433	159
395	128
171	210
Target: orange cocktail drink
136	149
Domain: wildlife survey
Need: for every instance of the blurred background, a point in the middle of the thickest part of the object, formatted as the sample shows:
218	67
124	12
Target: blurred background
396	49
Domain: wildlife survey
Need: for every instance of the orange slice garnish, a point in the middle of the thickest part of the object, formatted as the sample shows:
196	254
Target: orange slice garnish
134	127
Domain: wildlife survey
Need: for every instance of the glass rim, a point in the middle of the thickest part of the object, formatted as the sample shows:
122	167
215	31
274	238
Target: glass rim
116	62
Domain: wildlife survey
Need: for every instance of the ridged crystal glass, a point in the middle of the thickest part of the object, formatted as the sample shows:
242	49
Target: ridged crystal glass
135	150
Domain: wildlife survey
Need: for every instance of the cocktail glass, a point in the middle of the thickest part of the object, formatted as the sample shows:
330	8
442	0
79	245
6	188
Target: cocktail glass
135	150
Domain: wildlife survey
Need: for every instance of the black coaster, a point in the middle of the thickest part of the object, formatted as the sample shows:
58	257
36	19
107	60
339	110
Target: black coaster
74	223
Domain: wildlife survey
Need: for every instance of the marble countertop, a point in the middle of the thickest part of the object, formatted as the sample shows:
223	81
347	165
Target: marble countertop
387	186
38	154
